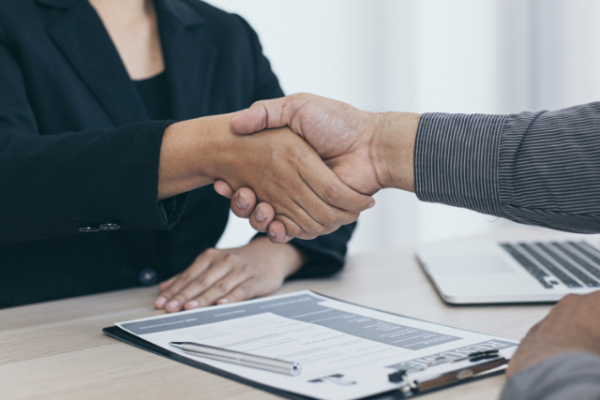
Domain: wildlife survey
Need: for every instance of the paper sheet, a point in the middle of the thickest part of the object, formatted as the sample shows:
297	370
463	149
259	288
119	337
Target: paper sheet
346	351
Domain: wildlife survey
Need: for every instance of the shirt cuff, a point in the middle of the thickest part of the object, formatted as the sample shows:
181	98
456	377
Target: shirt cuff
456	160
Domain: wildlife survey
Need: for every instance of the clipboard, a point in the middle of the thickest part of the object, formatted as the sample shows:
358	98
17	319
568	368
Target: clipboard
408	387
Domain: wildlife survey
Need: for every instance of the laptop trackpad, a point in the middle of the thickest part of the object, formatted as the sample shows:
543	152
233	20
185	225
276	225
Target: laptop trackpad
469	265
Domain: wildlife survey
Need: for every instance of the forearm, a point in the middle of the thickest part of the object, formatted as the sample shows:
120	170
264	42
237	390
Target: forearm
566	376
186	154
532	168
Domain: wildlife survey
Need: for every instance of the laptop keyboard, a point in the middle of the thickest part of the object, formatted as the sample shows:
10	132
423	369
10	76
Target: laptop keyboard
529	266
575	264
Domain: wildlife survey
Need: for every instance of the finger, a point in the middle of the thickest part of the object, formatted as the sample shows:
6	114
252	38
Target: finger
276	232
221	288
223	189
243	202
262	216
318	208
244	291
297	231
160	301
165	285
260	116
201	284
201	263
326	184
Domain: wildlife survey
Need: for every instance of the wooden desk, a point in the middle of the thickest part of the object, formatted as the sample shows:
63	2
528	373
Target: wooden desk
56	350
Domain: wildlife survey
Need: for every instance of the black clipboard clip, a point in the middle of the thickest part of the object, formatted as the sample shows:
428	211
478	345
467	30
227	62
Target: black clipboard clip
466	369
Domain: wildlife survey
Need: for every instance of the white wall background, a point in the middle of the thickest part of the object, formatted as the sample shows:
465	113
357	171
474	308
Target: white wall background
469	56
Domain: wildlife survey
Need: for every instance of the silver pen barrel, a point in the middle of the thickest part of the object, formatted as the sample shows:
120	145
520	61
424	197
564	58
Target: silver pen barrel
245	359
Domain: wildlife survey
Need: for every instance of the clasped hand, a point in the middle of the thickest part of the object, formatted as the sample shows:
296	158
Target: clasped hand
366	151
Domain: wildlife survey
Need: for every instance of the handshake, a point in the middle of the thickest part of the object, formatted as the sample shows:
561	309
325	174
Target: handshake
322	165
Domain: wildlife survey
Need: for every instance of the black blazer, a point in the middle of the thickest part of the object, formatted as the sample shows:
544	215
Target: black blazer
79	159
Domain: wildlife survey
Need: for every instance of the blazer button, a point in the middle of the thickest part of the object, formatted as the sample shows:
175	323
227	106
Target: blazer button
110	227
88	229
148	276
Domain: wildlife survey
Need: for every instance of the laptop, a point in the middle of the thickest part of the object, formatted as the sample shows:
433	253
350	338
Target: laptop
520	271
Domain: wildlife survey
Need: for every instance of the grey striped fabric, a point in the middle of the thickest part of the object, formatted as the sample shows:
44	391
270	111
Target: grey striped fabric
534	168
566	376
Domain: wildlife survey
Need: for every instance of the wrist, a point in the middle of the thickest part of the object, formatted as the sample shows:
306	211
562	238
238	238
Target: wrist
190	152
393	147
286	258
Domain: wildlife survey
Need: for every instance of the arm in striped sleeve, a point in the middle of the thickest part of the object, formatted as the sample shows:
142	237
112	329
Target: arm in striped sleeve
534	168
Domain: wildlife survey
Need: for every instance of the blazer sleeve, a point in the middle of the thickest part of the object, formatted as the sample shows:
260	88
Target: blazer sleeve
325	254
533	168
54	185
566	376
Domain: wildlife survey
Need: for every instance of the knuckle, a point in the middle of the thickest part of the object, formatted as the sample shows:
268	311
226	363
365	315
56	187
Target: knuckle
221	287
329	219
593	295
185	277
232	258
246	268
331	195
294	231
200	283
211	252
315	229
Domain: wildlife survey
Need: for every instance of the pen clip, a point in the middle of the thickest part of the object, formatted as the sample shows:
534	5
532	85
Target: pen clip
412	385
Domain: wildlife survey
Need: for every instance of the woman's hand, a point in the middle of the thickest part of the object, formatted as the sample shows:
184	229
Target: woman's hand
227	276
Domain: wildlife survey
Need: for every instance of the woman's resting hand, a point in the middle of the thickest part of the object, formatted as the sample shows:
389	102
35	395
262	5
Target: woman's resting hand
231	275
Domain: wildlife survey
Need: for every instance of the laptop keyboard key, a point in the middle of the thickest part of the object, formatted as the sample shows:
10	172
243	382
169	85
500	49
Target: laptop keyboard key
526	263
557	271
592	254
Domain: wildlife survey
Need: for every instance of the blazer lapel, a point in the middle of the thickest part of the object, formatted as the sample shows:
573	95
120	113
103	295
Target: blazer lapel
189	58
83	39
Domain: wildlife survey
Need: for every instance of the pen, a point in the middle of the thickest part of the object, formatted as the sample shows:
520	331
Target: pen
245	359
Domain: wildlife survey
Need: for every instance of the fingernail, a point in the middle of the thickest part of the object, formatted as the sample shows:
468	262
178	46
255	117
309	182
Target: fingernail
371	204
241	201
173	304
272	232
260	214
223	301
192	304
160	302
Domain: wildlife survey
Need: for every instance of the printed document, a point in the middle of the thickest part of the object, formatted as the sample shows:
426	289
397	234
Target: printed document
346	351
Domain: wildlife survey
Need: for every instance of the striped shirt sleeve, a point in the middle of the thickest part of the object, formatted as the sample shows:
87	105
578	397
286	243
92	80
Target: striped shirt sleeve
534	168
566	376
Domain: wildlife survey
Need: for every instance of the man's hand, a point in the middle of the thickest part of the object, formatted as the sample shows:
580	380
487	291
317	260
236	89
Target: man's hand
572	325
366	151
341	134
228	276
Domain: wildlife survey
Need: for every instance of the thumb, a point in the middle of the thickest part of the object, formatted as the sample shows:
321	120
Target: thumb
261	115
